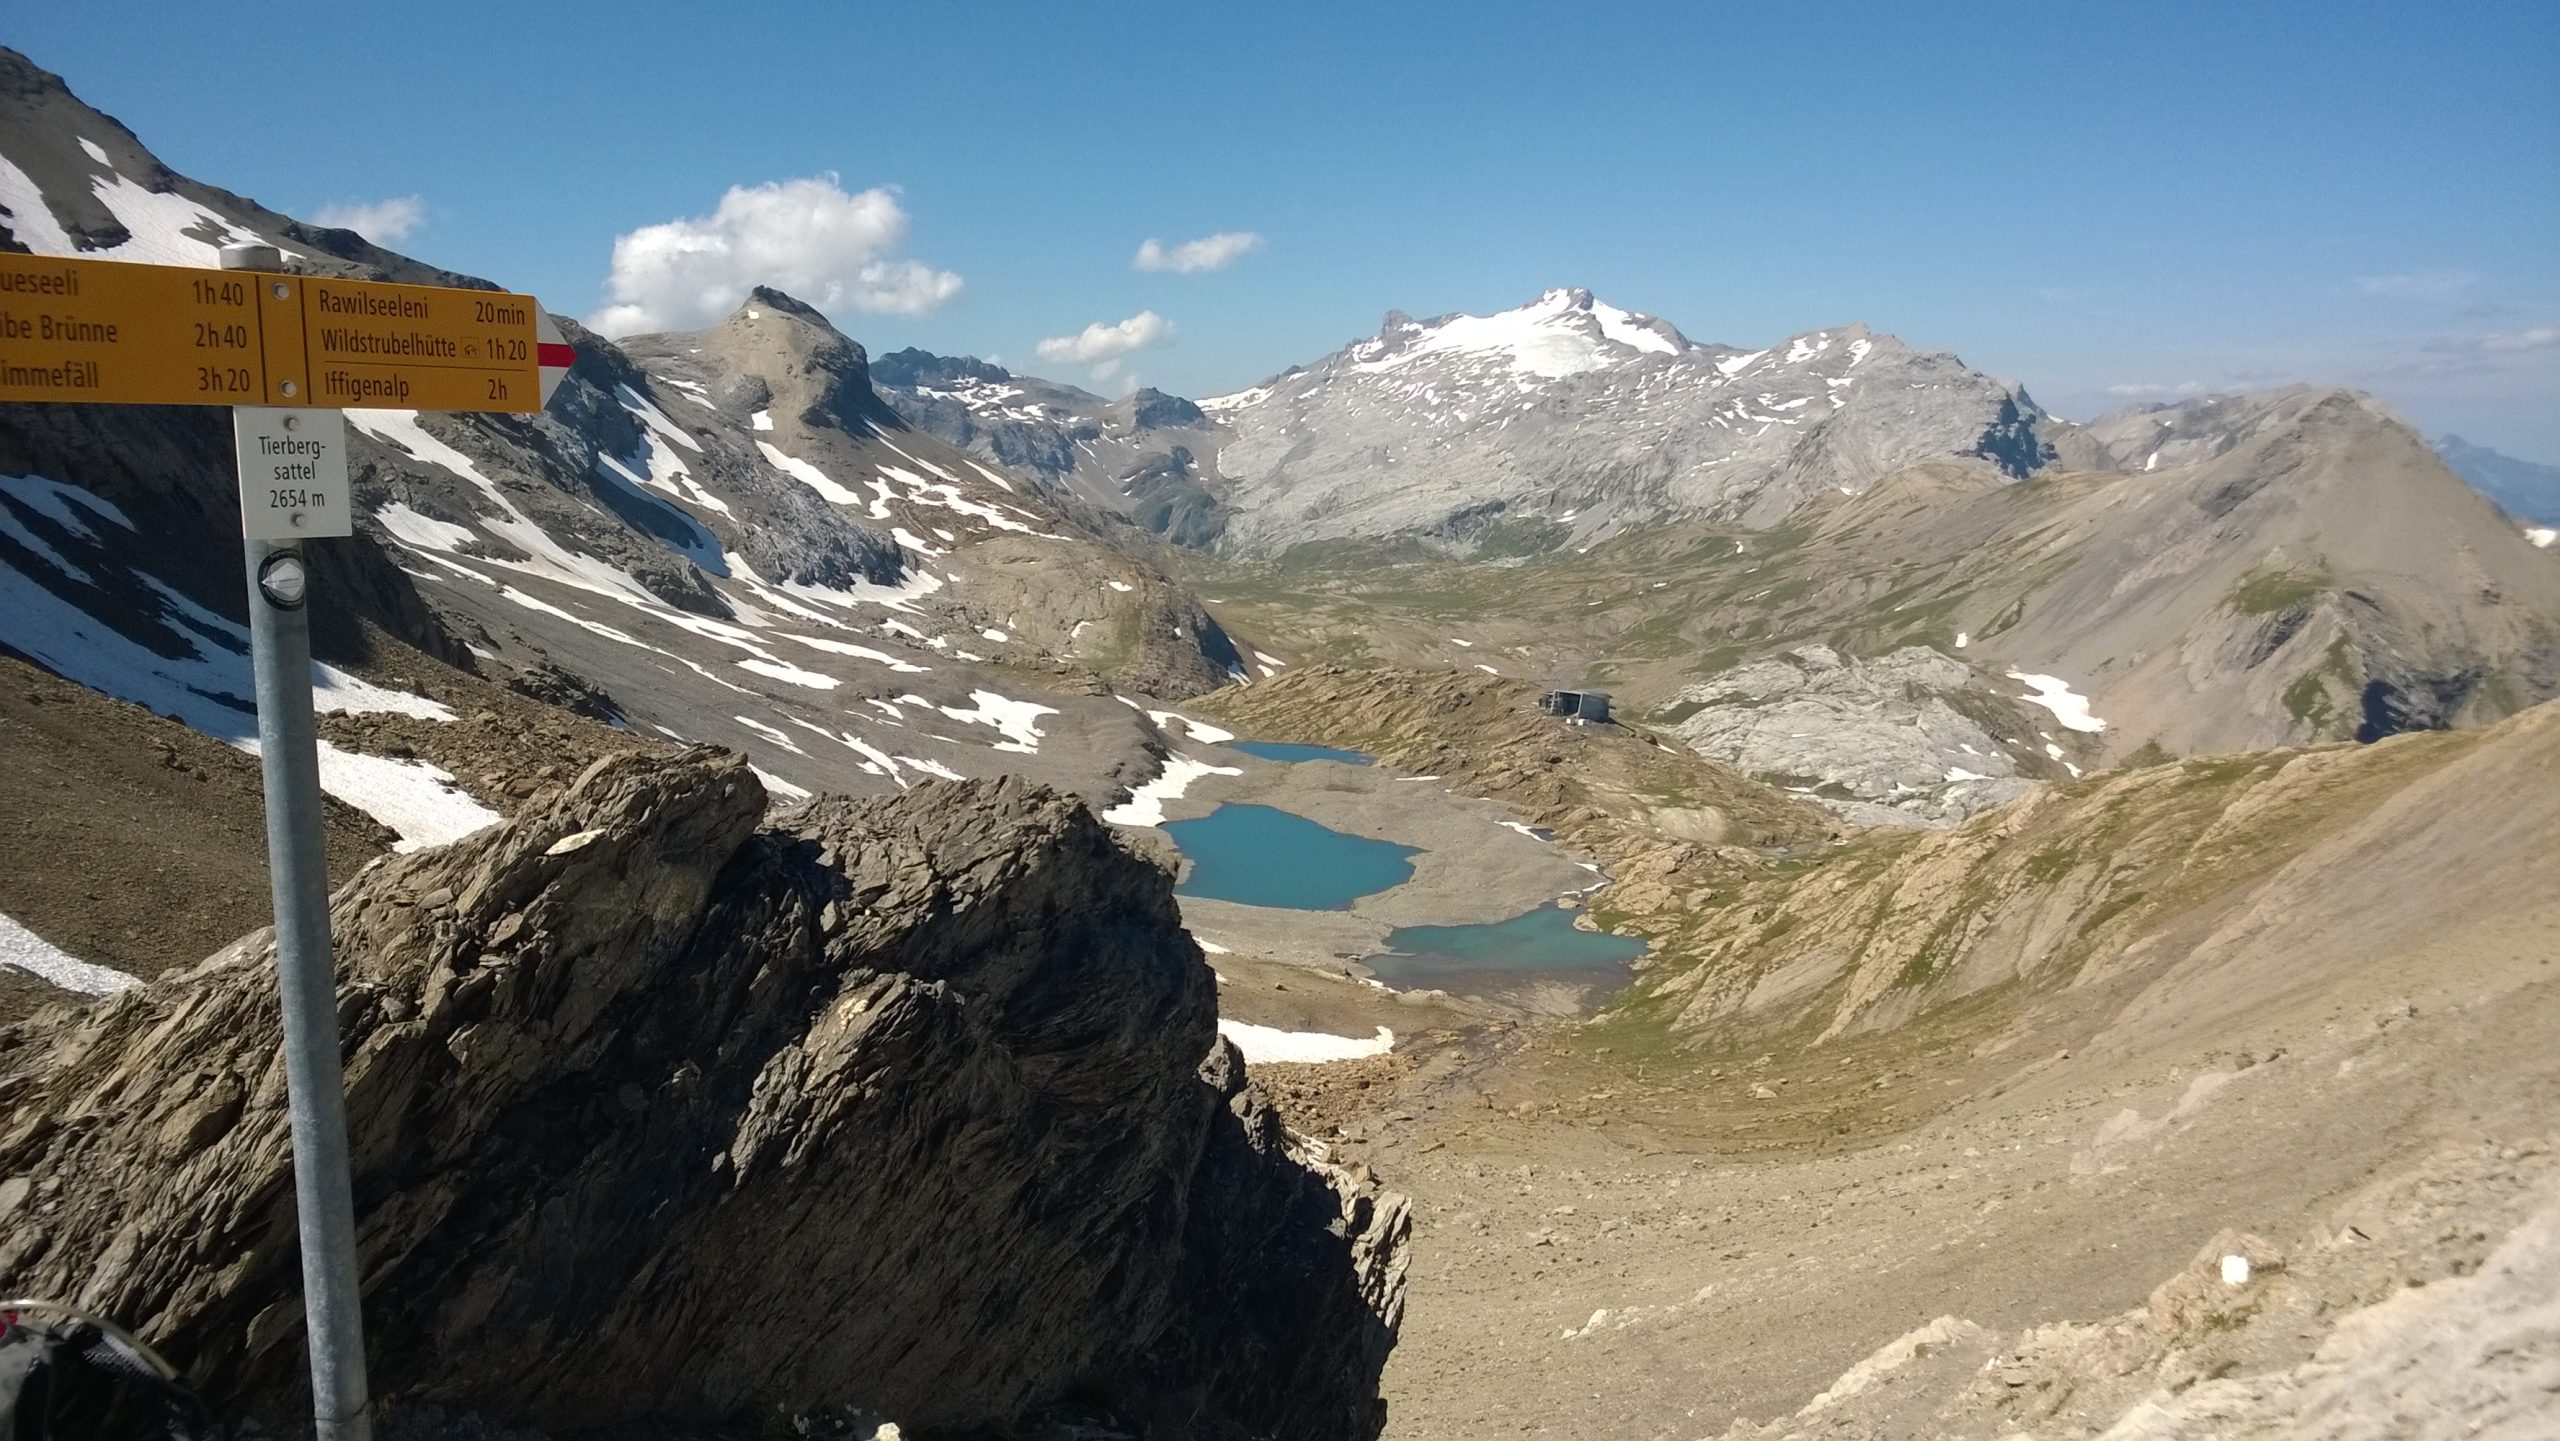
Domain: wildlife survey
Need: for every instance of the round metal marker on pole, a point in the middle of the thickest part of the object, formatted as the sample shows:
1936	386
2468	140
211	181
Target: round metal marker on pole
297	861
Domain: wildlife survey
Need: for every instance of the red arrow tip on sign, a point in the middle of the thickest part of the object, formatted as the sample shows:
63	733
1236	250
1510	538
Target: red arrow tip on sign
552	353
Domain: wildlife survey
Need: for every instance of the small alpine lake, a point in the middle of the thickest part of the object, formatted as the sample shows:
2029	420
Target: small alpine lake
1540	942
1340	867
1265	856
1290	752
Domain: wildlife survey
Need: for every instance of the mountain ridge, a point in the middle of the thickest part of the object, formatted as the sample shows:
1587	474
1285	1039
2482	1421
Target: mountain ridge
721	536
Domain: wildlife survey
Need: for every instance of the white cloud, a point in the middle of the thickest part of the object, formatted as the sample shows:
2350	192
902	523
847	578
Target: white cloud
2540	337
2418	284
382	222
1101	345
2527	352
809	237
2152	390
1209	252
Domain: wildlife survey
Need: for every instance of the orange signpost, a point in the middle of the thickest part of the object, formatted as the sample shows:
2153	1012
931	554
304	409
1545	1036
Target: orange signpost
287	353
112	333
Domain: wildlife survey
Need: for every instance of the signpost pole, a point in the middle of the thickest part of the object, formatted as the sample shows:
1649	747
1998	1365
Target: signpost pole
297	860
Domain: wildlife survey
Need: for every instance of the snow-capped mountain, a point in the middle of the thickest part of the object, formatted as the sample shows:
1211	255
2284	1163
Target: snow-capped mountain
1570	419
1565	420
722	537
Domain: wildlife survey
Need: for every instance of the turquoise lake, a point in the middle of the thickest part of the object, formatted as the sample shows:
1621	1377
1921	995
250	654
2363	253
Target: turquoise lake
1540	942
1264	856
1286	751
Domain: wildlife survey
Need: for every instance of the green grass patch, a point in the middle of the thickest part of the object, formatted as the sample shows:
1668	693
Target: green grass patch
2265	592
2050	865
1505	538
2113	907
2222	770
2149	753
2307	701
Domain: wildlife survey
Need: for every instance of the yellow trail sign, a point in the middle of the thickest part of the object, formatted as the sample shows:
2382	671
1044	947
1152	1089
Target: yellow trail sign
113	333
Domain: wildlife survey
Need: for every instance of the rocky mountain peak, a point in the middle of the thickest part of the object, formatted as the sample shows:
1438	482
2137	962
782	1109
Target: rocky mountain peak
769	298
1152	409
811	370
1565	331
910	369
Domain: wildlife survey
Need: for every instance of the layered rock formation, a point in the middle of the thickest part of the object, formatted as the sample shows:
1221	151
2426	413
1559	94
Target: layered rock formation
2199	889
911	1104
1886	741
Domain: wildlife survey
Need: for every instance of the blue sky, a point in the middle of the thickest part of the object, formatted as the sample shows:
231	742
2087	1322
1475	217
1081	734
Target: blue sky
2107	203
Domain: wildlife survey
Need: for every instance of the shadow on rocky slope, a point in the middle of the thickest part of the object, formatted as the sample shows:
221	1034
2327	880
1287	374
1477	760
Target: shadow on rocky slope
659	1117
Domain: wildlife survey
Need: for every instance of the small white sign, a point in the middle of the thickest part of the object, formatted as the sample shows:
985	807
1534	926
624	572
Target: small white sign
293	472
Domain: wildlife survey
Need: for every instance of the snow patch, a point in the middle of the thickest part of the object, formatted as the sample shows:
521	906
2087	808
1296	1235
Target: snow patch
1018	719
2055	695
772	733
1266	1044
418	800
863	591
22	949
2541	536
1200	731
858	652
62	504
1541	338
789	674
1735	364
423	532
163	228
776	785
1145	805
807	474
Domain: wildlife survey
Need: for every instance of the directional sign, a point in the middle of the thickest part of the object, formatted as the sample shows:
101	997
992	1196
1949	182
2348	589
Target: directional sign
109	332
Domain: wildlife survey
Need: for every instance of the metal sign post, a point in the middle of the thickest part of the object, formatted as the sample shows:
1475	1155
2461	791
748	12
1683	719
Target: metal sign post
284	351
290	463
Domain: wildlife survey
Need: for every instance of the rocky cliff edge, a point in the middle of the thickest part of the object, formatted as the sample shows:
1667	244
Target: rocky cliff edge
661	1114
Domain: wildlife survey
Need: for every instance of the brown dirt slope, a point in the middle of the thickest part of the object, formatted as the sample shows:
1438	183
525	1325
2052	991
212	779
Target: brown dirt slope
134	842
131	841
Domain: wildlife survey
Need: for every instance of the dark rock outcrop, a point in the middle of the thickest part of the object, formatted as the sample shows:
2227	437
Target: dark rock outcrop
912	1104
